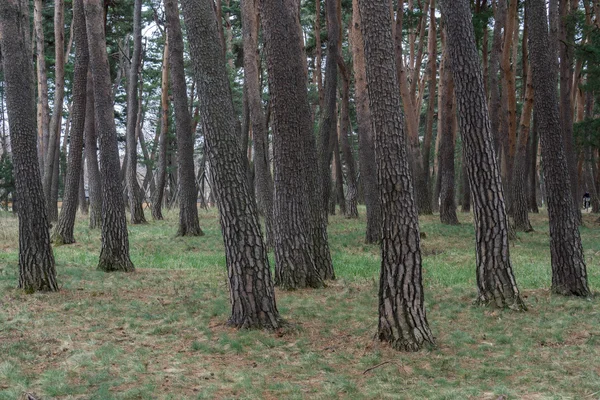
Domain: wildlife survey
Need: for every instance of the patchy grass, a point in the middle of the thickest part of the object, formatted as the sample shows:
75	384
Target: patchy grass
160	333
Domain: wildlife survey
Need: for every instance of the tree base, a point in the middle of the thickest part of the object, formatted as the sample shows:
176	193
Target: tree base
578	291
116	265
247	322
514	303
58	239
189	232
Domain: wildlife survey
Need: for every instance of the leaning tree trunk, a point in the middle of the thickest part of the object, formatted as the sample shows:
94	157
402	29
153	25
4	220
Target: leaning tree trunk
402	319
252	294
264	179
295	265
188	192
114	254
495	279
36	261
63	234
136	210
366	149
161	171
446	150
569	276
345	131
91	151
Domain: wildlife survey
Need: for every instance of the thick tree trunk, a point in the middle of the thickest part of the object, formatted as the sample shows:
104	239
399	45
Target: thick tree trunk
36	261
366	149
161	171
63	233
402	319
446	150
569	276
91	151
188	192
114	254
495	280
345	131
262	168
295	265
136	211
251	289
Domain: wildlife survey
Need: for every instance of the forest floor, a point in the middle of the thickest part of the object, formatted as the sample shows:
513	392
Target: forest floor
160	333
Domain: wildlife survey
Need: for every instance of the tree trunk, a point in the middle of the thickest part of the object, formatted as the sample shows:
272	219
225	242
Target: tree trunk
251	289
495	280
366	149
84	206
188	192
91	150
136	211
36	260
63	233
114	254
345	131
569	276
402	319
42	84
494	67
295	265
532	152
161	171
446	150
338	179
466	188
262	168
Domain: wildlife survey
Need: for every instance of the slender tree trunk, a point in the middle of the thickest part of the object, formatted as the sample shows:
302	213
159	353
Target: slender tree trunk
532	151
63	233
402	319
466	188
262	168
251	289
161	171
136	211
42	84
318	53
114	254
188	192
495	279
345	131
495	99
84	206
569	276
91	150
338	179
36	260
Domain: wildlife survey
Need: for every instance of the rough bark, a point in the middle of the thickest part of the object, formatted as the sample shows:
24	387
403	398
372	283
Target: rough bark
345	131
446	150
495	279
161	171
63	233
264	179
36	260
338	176
494	67
136	211
91	152
402	319
569	275
295	265
366	149
252	294
42	84
84	206
466	188
188	192
114	254
532	153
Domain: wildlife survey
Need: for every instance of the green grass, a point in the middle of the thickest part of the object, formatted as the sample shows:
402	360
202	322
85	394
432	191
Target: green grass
160	332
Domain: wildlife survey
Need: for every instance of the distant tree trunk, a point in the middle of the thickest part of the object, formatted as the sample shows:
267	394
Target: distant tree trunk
345	131
42	84
84	206
114	254
136	211
63	233
262	168
494	67
446	150
366	148
495	279
91	150
566	39
402	319
532	152
466	188
328	120
338	196
188	192
53	151
318	53
36	261
251	289
161	171
569	276
295	265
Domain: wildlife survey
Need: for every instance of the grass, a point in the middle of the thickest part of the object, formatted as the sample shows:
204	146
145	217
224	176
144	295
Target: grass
160	333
